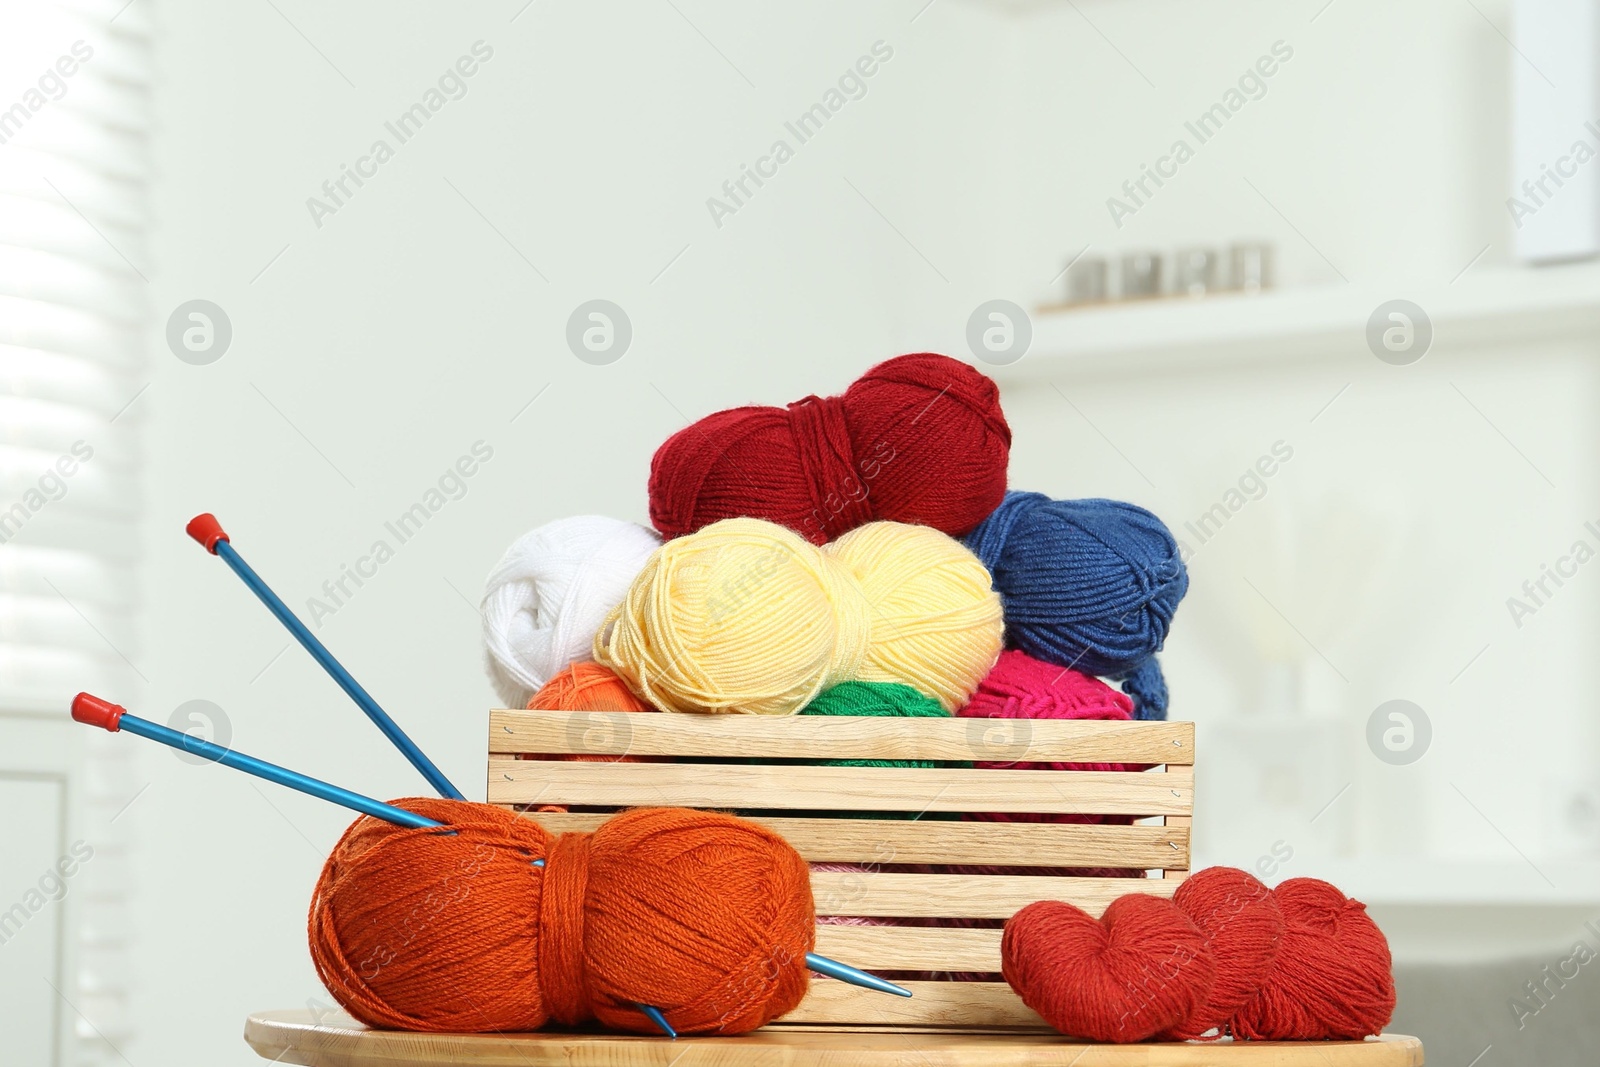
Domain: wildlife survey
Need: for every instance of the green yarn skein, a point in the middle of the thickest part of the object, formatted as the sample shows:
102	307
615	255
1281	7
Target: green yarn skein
875	698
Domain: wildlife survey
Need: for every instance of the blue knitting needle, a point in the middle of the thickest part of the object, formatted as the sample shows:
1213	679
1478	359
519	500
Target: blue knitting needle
846	973
205	529
655	1016
114	718
822	965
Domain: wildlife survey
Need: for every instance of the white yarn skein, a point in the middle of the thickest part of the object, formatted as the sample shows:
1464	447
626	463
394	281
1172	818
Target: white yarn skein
546	598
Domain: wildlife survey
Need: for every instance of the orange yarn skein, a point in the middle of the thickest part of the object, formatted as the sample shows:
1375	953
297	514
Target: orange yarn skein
703	915
587	686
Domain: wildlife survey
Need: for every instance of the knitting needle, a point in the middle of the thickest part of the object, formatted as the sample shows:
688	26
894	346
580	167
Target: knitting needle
846	973
205	529
114	718
822	965
660	1020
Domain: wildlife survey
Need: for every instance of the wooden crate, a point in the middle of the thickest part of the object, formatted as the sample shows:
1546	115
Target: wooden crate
737	763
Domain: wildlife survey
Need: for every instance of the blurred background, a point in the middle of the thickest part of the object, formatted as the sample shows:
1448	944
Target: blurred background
1342	340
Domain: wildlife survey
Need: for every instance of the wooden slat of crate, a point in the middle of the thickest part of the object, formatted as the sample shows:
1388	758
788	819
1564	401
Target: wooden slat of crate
912	948
881	841
969	896
514	781
840	737
1183	824
969	1004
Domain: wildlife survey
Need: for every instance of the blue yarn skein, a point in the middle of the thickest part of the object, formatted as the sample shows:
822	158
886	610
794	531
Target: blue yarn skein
1088	584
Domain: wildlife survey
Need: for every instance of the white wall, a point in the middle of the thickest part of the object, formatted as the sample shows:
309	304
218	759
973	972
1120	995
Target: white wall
377	349
406	329
1383	139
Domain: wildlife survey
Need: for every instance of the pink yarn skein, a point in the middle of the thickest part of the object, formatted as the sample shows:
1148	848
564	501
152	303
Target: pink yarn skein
1021	687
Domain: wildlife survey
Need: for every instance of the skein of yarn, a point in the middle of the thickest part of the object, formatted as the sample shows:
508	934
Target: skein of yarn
936	621
706	916
1301	962
545	599
1021	687
1332	978
746	616
742	616
1244	929
1138	970
1088	584
917	439
875	698
588	686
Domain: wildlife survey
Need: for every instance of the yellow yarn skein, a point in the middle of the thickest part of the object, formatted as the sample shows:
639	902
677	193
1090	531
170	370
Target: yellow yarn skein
743	615
746	616
936	619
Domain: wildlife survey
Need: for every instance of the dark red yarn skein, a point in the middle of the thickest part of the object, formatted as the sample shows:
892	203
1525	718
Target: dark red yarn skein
1302	962
917	439
1333	978
1137	971
1244	929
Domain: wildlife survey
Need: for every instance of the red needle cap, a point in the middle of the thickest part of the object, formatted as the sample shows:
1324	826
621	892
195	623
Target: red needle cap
205	528
90	709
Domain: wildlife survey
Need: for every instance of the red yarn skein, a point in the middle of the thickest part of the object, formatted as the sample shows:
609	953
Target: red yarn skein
703	915
1139	970
1333	977
1243	927
917	439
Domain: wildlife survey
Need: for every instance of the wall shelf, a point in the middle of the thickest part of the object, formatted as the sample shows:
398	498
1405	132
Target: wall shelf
1480	309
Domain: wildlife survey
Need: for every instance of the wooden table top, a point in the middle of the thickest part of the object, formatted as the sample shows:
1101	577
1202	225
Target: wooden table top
332	1040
